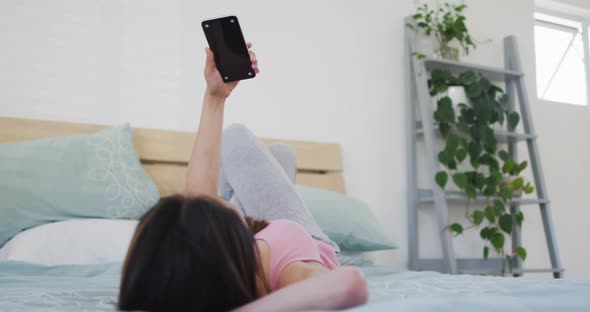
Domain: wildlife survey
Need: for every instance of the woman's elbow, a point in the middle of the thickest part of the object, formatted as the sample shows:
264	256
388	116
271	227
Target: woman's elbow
355	290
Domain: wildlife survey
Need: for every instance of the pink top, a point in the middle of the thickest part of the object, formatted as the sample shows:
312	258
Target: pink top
289	242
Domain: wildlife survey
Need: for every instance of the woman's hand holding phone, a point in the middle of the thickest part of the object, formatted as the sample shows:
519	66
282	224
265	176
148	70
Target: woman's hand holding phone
216	87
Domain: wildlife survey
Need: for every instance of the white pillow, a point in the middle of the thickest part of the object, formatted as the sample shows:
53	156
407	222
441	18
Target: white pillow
79	241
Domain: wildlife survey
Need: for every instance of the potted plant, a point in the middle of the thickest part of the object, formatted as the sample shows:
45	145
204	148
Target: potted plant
446	24
473	161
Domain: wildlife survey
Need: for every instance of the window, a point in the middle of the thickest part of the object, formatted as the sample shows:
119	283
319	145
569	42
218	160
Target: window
562	59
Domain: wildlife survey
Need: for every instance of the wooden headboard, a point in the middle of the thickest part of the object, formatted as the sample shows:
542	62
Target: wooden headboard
165	154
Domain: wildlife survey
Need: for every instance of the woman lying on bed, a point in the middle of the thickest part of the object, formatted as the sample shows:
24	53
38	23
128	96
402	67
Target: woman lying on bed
200	252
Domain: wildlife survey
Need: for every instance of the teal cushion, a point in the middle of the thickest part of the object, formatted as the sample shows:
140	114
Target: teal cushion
346	220
84	176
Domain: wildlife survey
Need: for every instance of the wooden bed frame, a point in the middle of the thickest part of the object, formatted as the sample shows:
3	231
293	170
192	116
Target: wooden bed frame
165	154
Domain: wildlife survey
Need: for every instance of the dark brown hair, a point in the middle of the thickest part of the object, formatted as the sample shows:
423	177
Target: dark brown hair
191	254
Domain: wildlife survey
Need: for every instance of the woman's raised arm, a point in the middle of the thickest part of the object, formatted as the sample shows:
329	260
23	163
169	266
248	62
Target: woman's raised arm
205	162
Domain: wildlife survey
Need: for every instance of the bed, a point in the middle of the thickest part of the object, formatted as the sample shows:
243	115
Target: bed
164	155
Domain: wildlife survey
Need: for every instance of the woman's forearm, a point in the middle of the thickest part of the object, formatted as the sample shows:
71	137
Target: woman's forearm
205	162
339	289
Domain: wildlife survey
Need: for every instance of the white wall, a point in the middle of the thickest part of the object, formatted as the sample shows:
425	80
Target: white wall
331	71
577	3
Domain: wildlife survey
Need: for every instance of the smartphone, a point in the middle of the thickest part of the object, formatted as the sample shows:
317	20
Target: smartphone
226	40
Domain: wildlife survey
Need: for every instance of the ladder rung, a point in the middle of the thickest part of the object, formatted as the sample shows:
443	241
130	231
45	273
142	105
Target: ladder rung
556	270
492	266
514	271
425	196
502	135
464	265
492	73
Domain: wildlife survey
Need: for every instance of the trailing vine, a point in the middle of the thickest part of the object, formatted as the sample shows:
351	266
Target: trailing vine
469	137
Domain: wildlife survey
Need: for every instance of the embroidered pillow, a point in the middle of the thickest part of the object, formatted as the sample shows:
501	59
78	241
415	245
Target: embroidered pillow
83	176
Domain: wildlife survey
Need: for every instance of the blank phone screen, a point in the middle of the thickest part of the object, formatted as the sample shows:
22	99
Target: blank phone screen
225	39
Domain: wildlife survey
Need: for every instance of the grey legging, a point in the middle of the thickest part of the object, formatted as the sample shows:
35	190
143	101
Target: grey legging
260	181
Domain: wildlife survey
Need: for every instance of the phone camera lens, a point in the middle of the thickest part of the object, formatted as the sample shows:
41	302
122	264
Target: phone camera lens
226	78
206	25
231	21
249	73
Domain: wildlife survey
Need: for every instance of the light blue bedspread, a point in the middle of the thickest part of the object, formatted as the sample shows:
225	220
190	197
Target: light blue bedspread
26	287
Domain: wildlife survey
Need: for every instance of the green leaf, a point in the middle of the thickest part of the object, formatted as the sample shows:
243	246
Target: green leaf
444	158
456	228
489	191
490	141
486	252
506	193
498	241
477	132
528	188
452	144
468	115
506	223
474	151
496	89
522	166
479	180
509	166
445	110
518	183
503	155
499	205
419	56
509	261
471	191
488	232
521	252
490	161
490	214
519	218
485	233
441	179
417	16
485	84
467	78
444	129
473	90
460	180
462	125
461	155
513	120
464	143
477	217
436	115
410	26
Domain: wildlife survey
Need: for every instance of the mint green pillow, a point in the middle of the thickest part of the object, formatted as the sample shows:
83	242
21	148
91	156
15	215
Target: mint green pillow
346	220
83	176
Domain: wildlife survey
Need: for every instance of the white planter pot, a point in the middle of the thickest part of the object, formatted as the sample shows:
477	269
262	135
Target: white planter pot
457	95
424	45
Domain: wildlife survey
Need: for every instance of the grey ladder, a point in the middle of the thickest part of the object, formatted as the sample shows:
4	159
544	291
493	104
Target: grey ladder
421	124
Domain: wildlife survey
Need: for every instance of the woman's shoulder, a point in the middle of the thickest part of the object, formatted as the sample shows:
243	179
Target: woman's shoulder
282	228
282	223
